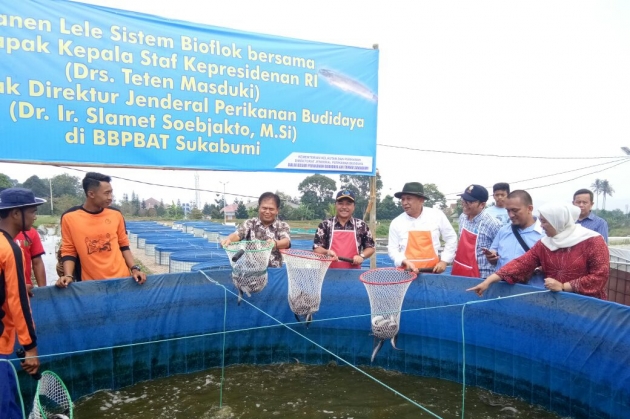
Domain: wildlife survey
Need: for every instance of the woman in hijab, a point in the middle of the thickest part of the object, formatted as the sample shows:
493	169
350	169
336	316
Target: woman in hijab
573	258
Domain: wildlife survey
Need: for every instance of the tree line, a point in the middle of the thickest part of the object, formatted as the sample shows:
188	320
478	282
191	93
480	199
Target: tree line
316	200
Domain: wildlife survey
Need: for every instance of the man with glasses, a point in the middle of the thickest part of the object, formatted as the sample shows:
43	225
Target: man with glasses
343	235
265	227
500	192
477	230
414	236
583	199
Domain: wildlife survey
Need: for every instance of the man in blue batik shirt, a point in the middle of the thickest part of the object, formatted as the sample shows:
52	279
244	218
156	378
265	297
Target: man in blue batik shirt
583	199
506	245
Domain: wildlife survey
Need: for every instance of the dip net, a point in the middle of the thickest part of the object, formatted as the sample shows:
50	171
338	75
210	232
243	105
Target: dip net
386	289
305	272
52	399
249	260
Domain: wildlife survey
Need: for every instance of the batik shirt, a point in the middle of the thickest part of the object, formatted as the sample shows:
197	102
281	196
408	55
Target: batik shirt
363	235
254	229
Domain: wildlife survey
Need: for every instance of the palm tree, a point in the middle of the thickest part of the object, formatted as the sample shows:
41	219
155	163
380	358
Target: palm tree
606	189
597	189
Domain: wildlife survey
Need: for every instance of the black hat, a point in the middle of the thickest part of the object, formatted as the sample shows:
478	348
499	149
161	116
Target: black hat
347	194
412	188
475	193
18	198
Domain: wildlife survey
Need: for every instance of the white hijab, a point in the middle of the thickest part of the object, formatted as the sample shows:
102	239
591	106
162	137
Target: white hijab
562	217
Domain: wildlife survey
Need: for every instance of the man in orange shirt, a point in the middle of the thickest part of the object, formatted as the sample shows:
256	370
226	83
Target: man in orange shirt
18	211
94	242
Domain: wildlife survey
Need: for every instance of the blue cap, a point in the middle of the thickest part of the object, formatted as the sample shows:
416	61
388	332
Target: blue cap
348	194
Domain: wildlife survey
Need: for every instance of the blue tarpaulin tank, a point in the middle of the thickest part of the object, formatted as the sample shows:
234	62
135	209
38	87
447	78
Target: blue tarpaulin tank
565	352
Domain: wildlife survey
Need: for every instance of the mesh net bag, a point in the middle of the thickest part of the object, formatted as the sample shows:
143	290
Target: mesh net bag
305	271
249	260
52	399
386	288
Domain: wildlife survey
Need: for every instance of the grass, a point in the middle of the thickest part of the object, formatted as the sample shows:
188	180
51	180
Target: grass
46	220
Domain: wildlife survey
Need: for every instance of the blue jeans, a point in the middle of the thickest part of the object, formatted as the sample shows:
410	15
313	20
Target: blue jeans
9	406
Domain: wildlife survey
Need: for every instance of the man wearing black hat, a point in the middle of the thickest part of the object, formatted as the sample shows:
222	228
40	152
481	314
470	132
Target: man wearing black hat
18	211
477	229
414	236
343	235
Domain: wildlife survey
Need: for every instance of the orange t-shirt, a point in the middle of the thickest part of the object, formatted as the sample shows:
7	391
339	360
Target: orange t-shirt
15	309
97	240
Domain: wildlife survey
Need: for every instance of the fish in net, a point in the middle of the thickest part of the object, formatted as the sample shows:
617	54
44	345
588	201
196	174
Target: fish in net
305	271
386	289
249	260
52	400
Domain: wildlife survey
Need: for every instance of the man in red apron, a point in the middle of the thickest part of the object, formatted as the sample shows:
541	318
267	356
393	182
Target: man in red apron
477	229
414	236
344	236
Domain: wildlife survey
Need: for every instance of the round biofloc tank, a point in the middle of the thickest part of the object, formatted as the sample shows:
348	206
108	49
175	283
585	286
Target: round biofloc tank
565	352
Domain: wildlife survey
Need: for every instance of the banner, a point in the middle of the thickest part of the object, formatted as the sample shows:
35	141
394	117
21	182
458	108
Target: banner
87	85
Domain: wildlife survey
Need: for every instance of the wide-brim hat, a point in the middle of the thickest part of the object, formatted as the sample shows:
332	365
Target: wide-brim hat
412	188
18	198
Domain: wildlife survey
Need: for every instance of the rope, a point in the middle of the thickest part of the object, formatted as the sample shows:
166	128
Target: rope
396	392
17	383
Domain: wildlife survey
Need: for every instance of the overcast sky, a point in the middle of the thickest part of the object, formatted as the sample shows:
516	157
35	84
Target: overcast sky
522	78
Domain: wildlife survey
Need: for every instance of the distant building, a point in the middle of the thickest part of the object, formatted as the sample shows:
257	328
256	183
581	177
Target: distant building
229	211
151	203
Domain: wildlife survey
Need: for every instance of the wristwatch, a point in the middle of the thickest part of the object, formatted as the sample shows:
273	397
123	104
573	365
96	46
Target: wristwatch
135	267
362	255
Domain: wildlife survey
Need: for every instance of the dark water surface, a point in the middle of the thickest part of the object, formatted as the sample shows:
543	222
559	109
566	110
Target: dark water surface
300	391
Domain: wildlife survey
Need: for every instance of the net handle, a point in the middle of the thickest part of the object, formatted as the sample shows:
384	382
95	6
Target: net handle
411	278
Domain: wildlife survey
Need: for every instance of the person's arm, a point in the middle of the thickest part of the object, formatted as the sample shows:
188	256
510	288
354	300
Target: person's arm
17	304
483	285
238	235
521	268
603	229
136	273
321	240
598	269
283	236
68	254
39	271
393	245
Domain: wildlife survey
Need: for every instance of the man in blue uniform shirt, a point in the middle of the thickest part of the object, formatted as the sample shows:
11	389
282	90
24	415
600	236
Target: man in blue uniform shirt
506	245
583	199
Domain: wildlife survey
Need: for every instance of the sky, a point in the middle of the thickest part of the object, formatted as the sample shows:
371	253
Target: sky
520	78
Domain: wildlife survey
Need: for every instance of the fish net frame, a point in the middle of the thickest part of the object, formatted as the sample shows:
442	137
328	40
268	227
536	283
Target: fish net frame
305	272
386	288
250	270
51	397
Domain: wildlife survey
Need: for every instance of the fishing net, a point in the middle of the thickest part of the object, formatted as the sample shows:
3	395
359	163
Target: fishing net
52	399
249	260
386	288
305	271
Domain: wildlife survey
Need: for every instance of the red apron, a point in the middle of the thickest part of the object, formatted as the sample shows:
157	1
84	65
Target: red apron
344	244
420	249
465	263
